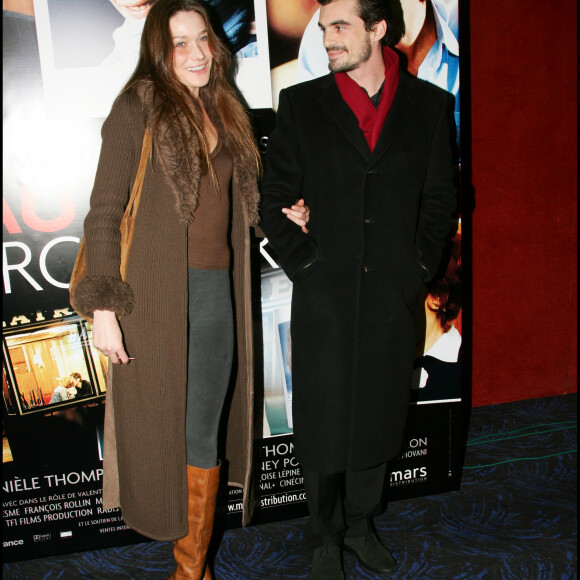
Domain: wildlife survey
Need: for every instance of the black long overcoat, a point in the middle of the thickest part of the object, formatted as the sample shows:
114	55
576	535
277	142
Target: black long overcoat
377	226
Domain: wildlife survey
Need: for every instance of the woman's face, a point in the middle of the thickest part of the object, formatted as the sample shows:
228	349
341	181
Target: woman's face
192	57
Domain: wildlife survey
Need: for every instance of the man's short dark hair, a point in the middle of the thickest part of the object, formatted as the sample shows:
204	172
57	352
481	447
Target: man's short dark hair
373	11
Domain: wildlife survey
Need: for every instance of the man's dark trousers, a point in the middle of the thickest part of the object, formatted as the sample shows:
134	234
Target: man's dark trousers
343	503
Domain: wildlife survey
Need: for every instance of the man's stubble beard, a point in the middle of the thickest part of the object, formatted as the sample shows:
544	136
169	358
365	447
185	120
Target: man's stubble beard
347	66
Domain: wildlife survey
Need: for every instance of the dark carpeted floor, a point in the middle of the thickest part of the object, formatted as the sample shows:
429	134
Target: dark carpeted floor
513	518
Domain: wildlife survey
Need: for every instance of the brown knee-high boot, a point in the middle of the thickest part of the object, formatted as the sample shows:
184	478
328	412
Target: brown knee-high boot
190	551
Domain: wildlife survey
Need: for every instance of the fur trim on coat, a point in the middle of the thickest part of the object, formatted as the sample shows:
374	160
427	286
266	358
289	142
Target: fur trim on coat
180	163
181	169
104	293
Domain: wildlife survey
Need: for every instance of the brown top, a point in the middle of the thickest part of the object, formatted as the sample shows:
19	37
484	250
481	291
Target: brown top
208	245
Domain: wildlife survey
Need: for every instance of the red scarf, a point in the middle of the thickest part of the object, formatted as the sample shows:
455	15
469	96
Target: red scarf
371	120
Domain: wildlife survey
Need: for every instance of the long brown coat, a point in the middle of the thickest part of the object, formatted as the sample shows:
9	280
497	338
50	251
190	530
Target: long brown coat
377	226
145	455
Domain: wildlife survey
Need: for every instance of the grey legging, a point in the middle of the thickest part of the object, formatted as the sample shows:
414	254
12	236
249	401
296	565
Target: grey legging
211	347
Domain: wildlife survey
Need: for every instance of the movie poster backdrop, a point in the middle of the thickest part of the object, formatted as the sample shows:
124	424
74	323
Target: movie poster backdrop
60	78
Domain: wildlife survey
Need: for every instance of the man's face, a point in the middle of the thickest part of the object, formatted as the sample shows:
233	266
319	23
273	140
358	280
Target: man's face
345	39
133	9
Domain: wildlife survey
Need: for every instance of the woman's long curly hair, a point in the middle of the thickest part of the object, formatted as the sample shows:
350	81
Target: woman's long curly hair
445	287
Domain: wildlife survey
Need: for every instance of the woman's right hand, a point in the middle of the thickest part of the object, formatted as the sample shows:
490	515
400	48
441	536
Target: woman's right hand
299	213
107	336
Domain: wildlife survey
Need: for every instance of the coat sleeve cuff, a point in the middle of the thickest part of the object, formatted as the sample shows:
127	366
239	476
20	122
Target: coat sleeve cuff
303	261
103	293
424	269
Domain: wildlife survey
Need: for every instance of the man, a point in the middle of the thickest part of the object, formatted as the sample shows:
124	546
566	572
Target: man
369	149
429	43
82	386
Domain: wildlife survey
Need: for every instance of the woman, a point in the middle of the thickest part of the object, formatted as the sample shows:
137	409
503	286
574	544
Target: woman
172	318
63	392
437	372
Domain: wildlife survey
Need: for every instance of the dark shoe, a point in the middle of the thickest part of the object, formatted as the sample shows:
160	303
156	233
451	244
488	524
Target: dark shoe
371	553
327	563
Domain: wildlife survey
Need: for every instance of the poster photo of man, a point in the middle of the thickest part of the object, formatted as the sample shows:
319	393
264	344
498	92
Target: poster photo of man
89	48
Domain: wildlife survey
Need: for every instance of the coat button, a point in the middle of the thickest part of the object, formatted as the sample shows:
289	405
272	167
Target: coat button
369	220
366	269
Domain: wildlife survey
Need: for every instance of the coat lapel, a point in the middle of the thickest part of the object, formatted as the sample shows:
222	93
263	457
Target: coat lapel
342	115
398	117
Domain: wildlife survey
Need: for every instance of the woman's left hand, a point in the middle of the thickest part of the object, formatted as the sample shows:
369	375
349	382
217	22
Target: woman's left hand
299	213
